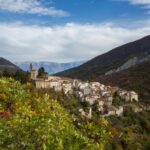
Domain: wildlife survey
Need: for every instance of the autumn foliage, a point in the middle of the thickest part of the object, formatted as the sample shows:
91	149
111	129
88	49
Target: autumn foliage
28	122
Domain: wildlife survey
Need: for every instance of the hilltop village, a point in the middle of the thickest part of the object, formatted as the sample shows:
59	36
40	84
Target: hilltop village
93	93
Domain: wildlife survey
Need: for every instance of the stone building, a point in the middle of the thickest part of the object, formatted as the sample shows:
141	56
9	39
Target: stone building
34	74
134	96
128	96
42	83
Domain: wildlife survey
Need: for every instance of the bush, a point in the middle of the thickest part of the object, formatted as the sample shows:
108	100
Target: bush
31	123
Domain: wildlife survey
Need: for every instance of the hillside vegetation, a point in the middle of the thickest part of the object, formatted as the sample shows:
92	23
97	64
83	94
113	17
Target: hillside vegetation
34	121
136	78
38	119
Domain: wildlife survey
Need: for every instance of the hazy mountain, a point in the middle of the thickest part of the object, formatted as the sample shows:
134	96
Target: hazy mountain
7	65
50	67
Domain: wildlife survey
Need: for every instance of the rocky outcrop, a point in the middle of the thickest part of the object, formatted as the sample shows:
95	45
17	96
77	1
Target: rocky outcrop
130	63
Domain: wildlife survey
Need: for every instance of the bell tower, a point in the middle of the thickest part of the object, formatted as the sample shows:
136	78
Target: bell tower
33	72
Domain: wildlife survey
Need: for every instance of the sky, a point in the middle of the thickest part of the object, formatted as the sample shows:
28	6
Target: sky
69	30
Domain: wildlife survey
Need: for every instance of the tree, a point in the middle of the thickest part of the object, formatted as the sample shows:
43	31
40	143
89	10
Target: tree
6	73
41	72
41	123
21	76
34	123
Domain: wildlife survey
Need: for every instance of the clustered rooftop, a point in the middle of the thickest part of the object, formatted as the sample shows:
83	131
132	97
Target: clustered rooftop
94	93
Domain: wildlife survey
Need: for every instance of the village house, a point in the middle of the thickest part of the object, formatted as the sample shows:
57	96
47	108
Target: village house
54	83
128	96
42	83
111	111
81	112
86	91
91	92
92	99
137	108
87	114
67	88
108	101
134	96
100	106
95	85
53	78
79	94
83	85
102	87
119	111
75	84
103	93
108	98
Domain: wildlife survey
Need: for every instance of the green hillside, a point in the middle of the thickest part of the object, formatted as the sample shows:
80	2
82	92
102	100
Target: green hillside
31	120
136	78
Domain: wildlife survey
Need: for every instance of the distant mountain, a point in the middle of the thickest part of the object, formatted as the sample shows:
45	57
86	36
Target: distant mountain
126	66
50	67
7	65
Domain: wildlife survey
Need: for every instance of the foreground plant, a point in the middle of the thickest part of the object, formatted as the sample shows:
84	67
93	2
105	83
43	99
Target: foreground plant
27	122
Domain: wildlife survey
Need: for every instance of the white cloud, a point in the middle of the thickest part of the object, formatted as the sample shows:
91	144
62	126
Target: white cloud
136	2
143	3
70	42
140	2
30	7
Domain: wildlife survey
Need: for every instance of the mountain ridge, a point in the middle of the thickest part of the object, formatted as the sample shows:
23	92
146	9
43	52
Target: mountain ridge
6	65
127	67
50	67
110	60
135	78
